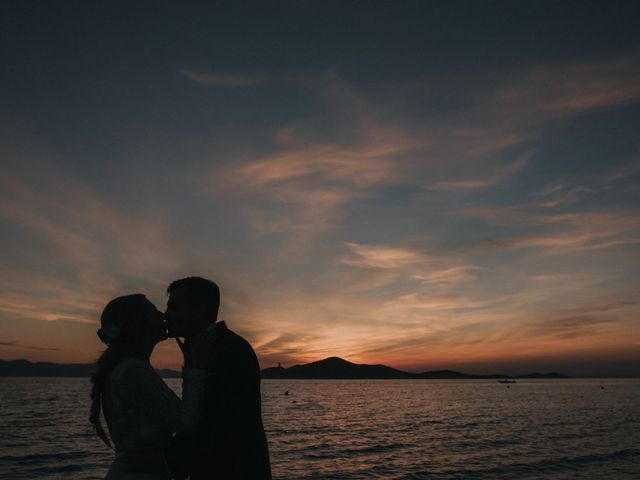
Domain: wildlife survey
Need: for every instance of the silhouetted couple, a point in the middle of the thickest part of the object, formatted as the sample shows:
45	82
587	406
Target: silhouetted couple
215	431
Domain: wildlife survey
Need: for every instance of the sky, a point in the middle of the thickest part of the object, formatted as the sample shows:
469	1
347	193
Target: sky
427	185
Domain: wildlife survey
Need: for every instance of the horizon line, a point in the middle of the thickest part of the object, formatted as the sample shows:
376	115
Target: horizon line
568	377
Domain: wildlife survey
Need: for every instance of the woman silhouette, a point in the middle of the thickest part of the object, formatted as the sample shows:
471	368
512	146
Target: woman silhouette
140	410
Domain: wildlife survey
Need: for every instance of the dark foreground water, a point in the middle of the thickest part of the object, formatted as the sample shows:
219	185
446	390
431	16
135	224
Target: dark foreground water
408	429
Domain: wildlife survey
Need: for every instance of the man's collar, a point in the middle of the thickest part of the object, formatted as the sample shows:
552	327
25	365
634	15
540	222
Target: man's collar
217	326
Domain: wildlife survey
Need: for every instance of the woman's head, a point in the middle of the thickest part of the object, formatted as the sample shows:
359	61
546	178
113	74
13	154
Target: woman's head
131	320
130	325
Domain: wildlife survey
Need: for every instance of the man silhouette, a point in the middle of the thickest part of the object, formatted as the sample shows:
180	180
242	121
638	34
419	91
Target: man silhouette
230	443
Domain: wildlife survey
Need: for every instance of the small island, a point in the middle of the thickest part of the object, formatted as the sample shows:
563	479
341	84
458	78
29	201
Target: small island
338	368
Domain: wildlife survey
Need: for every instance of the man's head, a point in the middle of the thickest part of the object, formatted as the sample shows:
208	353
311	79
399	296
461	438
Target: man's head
192	305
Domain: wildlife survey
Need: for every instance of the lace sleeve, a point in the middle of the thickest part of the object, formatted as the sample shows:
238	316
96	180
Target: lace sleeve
142	386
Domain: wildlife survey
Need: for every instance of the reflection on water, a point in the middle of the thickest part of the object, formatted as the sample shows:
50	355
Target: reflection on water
350	429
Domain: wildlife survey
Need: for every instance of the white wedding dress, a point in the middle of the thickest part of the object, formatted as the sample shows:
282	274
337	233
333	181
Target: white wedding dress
142	413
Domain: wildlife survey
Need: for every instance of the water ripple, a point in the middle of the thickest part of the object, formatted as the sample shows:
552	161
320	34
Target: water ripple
391	430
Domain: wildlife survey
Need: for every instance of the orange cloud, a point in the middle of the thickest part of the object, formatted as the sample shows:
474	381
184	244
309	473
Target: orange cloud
381	257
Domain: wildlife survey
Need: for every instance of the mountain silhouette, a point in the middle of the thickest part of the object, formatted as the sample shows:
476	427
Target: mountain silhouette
338	368
334	367
25	368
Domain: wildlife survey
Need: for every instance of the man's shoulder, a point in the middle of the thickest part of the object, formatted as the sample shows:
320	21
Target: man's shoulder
232	338
233	346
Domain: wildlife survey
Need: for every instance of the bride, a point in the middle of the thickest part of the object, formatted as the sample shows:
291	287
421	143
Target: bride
140	410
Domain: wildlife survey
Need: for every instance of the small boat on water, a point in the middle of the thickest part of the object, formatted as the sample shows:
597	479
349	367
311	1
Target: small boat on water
507	380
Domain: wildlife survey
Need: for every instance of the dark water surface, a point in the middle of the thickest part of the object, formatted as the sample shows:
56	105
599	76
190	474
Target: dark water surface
363	429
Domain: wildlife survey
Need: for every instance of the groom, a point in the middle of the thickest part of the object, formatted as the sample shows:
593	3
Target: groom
230	443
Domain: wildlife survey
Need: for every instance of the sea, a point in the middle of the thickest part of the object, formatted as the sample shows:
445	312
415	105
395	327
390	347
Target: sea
368	429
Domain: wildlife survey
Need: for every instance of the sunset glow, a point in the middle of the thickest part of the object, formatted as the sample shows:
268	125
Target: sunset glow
479	212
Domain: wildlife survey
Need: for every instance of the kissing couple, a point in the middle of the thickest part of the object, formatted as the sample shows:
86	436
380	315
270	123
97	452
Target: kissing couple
215	431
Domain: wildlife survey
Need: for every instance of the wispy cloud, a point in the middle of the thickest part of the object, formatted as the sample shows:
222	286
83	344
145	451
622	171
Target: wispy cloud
448	278
82	249
85	228
499	175
28	347
600	316
556	232
574	87
432	303
369	163
304	185
622	172
381	257
571	327
289	347
222	80
560	194
317	179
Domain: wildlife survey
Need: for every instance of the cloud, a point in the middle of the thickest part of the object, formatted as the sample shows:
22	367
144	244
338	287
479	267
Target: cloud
78	249
372	160
289	347
591	230
555	233
622	172
600	316
83	227
573	87
499	175
303	187
364	141
564	192
381	257
222	80
571	327
428	302
555	243
28	347
562	195
448	278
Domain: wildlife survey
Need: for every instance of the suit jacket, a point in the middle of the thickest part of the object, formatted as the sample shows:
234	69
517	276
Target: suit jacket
230	443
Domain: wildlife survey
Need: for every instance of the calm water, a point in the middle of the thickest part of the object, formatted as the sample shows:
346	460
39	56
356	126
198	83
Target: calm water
416	429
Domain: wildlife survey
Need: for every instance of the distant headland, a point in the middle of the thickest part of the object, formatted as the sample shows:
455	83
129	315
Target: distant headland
338	368
329	368
25	368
